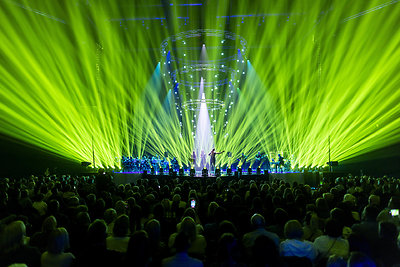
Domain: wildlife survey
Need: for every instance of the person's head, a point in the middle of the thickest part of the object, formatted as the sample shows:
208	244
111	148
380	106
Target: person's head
333	228
388	231
138	251
293	230
257	221
13	236
182	242
374	200
153	230
227	246
121	226
280	216
58	241
212	207
188	227
83	219
265	252
121	207
53	206
359	259
49	224
370	213
97	232
110	215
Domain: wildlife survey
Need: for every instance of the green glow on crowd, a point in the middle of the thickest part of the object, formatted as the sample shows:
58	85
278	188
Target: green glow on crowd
78	77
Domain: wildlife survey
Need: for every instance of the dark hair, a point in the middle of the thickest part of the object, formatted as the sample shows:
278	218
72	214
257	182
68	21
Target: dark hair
227	244
138	251
121	226
181	242
388	231
293	230
58	241
370	213
265	252
97	232
333	228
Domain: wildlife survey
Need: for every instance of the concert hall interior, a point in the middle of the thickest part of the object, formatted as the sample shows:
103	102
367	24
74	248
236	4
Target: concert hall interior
233	133
111	83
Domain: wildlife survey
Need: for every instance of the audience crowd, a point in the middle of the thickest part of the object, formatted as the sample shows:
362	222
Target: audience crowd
90	221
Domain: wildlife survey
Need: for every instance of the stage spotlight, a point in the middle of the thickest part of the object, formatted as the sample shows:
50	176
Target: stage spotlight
229	171
181	172
249	171
258	171
217	172
192	172
161	171
204	172
152	171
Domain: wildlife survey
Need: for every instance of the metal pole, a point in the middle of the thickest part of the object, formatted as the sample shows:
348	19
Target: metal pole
329	154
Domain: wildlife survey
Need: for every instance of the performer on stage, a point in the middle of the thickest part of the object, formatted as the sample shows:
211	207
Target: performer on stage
212	158
194	160
280	163
242	160
174	164
258	159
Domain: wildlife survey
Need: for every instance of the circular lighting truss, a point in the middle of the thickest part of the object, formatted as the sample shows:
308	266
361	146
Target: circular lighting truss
183	37
223	75
195	105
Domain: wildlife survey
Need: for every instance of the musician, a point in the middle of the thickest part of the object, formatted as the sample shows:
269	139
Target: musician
174	164
242	160
212	155
258	158
194	159
280	162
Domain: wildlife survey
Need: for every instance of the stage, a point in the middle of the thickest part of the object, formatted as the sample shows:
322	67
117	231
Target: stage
310	178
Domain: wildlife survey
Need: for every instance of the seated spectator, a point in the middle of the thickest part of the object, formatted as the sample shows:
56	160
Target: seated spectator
138	252
40	205
55	255
109	217
14	249
228	251
364	235
332	243
311	226
120	239
280	217
265	252
387	250
197	242
158	249
95	253
40	239
294	245
181	258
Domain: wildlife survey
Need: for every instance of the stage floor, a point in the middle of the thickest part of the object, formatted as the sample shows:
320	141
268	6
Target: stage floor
310	178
